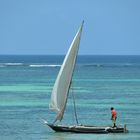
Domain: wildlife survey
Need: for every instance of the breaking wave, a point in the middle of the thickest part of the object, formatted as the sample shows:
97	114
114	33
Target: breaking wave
27	65
77	65
10	64
44	65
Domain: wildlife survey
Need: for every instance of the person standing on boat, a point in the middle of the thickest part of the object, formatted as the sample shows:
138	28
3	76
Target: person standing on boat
113	116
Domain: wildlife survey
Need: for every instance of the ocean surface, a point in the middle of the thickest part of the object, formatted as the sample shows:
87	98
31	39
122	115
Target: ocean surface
99	82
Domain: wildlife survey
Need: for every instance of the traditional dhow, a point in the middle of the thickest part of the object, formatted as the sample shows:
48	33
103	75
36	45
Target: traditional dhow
60	94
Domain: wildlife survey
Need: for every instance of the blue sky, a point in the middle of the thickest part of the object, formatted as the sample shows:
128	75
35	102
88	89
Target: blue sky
48	26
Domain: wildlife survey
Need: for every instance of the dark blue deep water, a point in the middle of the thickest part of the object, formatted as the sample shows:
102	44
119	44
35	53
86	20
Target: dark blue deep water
99	82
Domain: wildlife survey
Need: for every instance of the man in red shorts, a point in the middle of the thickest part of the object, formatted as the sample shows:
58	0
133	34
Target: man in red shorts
114	116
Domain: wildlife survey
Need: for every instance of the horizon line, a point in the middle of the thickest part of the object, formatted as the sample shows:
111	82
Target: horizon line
78	54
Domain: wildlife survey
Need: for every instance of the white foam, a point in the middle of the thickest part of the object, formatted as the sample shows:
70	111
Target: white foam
13	64
36	65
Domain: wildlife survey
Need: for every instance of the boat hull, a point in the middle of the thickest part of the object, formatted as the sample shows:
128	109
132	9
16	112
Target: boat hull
87	129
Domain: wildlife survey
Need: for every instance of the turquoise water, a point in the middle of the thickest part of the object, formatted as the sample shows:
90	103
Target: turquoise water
99	82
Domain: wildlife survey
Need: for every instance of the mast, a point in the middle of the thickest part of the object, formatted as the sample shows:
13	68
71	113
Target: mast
73	97
75	110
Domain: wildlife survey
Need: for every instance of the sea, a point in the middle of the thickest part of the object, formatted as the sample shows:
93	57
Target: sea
99	83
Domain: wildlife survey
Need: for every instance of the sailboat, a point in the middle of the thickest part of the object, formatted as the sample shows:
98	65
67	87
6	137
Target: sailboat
60	94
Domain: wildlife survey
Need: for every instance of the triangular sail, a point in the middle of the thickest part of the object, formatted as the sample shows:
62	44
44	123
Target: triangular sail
62	84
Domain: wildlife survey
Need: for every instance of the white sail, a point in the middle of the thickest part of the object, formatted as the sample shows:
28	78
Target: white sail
62	84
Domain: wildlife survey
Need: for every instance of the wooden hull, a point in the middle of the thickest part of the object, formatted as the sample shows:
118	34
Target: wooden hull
87	129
